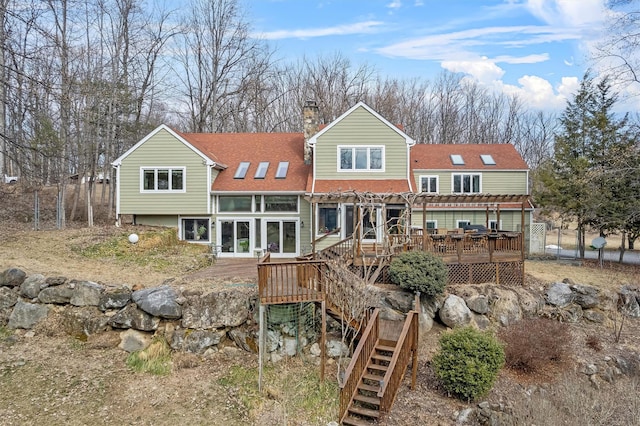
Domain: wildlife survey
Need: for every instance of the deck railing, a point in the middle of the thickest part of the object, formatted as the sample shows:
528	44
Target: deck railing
406	347
288	282
359	360
459	245
342	249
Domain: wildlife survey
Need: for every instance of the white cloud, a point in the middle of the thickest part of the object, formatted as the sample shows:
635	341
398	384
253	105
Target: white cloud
537	93
470	43
528	59
366	27
483	70
418	3
574	13
395	4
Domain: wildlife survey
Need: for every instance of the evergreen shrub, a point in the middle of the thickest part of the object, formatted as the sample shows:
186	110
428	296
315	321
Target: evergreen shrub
468	362
419	271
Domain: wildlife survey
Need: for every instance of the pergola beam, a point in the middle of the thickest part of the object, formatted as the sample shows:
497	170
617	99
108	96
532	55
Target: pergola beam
417	198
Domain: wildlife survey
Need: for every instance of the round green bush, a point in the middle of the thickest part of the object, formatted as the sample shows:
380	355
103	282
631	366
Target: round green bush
419	271
468	362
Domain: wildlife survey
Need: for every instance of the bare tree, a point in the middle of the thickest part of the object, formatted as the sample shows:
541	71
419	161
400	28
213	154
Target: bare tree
619	50
217	59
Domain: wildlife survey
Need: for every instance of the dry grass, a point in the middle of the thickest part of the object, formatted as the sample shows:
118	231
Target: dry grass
572	401
611	276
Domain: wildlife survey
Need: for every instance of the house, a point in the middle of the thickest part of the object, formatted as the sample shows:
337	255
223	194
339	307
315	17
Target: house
291	193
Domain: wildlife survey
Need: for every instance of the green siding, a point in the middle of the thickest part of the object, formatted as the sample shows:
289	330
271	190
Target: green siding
165	220
493	182
361	128
163	150
305	233
511	220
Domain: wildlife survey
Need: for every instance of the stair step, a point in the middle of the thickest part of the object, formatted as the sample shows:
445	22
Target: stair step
375	377
355	421
373	400
381	357
385	348
361	411
370	388
378	367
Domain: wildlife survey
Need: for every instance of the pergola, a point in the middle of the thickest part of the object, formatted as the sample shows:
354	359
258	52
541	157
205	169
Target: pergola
425	200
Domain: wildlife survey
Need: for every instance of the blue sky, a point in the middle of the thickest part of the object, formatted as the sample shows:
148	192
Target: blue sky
537	49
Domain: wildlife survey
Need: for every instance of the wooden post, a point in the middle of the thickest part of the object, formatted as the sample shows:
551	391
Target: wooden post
424	226
522	233
498	215
261	346
313	228
486	218
323	338
414	361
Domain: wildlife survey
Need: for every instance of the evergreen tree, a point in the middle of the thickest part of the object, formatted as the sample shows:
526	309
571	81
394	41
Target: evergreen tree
586	180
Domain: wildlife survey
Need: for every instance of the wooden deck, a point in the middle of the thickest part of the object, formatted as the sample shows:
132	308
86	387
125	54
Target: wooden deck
290	282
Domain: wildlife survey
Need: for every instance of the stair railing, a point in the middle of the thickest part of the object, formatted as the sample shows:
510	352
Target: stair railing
407	346
358	364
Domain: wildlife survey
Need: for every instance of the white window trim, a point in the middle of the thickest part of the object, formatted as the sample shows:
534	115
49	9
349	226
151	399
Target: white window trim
367	170
462	220
338	220
182	237
429	177
266	213
465	174
253	200
163	191
435	223
494	221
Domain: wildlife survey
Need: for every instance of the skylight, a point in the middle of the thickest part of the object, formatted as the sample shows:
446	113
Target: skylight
241	172
283	167
262	170
488	160
457	160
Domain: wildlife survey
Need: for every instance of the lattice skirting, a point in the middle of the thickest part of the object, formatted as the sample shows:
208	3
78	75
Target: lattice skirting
503	273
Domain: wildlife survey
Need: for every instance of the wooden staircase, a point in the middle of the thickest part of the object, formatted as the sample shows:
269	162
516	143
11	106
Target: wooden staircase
376	371
364	408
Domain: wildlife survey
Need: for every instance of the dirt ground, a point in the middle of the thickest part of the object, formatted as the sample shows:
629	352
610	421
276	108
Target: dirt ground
50	378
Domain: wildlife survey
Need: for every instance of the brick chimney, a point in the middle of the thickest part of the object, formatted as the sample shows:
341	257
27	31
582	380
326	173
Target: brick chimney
311	121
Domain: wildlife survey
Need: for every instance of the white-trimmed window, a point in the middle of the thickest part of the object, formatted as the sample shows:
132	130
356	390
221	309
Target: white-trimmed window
235	203
281	203
365	158
431	226
462	223
162	179
466	183
494	225
195	229
327	218
429	184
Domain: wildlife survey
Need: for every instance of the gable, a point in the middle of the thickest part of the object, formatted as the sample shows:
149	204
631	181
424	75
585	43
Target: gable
363	128
162	134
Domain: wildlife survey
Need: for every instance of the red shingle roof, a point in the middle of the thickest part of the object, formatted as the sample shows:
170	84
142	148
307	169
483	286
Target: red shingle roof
230	149
437	156
380	186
